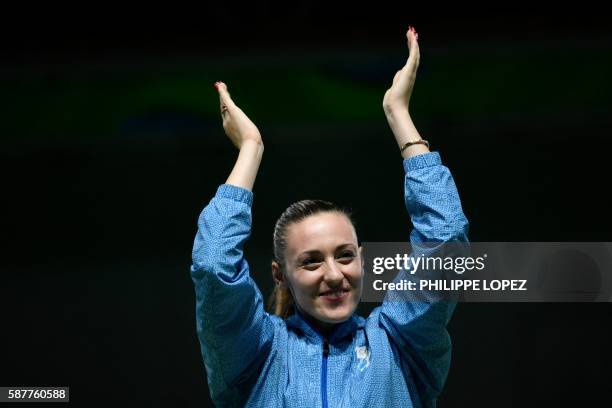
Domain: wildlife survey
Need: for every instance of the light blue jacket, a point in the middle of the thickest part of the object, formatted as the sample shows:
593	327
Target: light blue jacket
398	357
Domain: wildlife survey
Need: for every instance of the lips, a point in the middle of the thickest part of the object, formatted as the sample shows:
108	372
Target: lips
336	296
334	292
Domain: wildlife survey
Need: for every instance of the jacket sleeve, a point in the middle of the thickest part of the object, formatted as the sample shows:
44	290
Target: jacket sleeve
418	328
234	330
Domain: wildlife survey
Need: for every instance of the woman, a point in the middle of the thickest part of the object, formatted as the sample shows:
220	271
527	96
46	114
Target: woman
314	350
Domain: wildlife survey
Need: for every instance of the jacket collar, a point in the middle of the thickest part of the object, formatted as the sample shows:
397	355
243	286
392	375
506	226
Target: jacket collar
298	322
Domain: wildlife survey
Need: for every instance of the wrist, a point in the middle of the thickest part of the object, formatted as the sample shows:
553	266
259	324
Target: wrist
414	150
399	119
396	109
245	169
254	145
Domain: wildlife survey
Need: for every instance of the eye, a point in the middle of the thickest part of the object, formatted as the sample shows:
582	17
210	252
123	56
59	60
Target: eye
310	263
347	256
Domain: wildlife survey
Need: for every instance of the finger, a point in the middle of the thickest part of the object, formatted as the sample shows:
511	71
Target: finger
225	100
409	34
224	96
410	39
414	55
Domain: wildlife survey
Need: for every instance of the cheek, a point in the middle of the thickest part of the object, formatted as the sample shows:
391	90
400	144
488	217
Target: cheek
305	284
355	273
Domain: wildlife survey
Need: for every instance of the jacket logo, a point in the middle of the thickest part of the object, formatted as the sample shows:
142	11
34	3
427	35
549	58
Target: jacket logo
363	355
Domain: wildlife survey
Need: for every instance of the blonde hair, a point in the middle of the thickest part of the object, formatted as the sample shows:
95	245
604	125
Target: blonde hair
281	302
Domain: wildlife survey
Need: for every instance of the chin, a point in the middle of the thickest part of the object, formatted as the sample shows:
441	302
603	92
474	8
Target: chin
336	315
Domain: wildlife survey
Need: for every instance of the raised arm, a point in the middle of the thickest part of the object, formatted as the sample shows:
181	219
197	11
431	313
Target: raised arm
234	331
396	102
418	329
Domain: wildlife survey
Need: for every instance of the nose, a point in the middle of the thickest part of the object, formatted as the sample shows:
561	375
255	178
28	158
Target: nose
333	275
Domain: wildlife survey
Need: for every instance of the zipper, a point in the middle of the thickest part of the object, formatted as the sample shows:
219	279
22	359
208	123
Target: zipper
324	373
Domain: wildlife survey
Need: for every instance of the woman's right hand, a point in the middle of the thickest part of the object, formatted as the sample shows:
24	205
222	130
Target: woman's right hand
236	124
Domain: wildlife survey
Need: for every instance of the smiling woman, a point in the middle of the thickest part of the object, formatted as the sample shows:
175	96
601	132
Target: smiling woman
318	262
314	350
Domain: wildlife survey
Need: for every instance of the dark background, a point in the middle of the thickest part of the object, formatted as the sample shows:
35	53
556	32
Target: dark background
111	145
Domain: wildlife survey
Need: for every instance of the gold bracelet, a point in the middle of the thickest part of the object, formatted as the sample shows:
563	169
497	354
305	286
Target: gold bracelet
423	142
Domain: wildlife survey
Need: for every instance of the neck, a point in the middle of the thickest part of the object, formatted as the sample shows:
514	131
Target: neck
323	327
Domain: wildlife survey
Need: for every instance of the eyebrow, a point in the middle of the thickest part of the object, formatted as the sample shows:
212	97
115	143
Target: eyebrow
316	251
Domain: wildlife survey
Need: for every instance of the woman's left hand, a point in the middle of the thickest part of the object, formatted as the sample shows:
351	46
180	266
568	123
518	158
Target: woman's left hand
398	96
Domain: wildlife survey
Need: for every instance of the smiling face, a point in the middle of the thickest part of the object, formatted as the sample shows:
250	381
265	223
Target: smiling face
323	267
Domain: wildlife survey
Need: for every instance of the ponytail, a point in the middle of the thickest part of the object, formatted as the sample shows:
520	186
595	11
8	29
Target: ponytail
281	302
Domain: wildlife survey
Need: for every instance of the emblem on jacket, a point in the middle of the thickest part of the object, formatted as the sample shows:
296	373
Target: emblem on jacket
363	355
